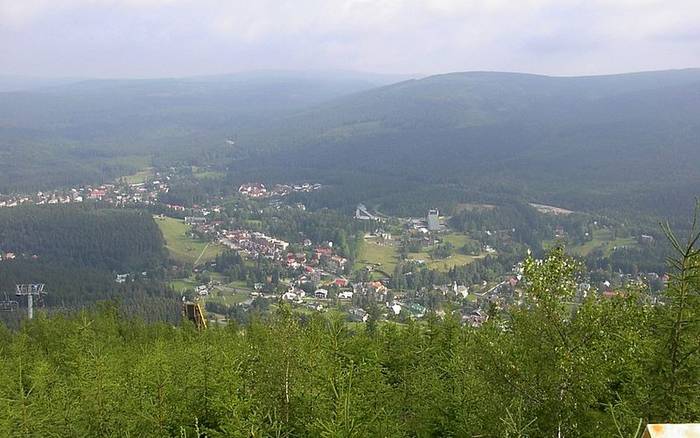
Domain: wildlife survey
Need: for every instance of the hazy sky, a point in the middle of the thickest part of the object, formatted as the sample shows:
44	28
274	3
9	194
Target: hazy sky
117	38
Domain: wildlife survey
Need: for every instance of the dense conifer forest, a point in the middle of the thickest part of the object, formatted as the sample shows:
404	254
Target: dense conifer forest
79	250
600	368
111	239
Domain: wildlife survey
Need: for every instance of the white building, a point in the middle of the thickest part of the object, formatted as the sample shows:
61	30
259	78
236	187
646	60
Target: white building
433	220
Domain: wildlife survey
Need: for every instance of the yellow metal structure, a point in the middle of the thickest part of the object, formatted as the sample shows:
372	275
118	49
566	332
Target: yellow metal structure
194	312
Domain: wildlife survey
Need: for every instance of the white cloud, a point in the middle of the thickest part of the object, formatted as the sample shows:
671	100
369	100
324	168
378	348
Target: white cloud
557	36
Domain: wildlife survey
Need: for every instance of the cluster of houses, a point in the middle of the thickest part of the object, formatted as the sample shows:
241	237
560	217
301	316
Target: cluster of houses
345	291
129	277
391	303
7	256
619	283
323	255
320	268
258	190
253	244
297	295
42	198
315	261
119	195
131	194
317	287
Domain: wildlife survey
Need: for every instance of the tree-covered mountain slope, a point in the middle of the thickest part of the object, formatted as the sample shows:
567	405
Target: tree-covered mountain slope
93	130
581	141
619	141
78	250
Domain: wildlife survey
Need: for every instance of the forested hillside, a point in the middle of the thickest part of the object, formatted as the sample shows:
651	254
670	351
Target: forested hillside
77	250
111	239
95	130
544	368
588	143
582	142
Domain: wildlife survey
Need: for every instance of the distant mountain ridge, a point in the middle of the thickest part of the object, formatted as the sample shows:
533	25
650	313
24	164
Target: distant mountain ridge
479	98
579	142
594	137
82	131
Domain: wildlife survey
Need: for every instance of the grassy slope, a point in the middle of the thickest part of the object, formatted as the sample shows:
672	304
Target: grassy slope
228	296
602	239
181	247
183	285
387	255
456	259
372	253
203	173
139	177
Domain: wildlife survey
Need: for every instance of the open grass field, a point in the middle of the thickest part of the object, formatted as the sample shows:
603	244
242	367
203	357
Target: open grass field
253	223
204	173
239	284
227	296
456	259
183	285
458	240
386	256
209	174
373	253
216	276
181	247
448	263
140	165
139	177
603	240
473	207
